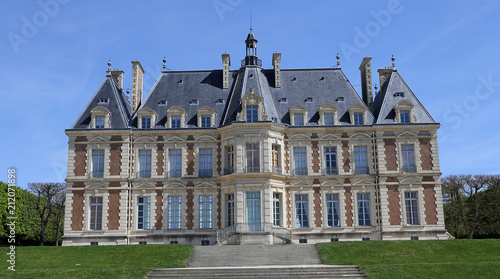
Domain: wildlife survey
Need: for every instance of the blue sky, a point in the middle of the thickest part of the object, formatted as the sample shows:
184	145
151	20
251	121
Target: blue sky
54	55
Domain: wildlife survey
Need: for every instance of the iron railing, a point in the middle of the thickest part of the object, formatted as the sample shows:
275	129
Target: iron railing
361	170
331	171
409	168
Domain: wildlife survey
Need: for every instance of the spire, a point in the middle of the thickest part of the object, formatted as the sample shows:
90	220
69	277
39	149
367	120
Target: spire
251	50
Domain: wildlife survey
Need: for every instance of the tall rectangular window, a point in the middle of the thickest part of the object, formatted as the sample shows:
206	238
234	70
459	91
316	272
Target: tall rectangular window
333	210
229	160
253	211
275	160
99	122
408	158
277	209
175	121
299	160
253	161
230	209
361	159
298	119
143	212
301	211
175	162
405	116
98	163
205	212
328	119
252	114
364	209
206	121
411	201
146	122
205	162
174	212
331	160
144	163
96	213
358	118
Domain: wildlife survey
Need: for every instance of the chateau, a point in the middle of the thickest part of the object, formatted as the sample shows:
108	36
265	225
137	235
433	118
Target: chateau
253	156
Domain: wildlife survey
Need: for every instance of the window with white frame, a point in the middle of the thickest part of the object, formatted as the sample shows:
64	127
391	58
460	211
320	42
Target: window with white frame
97	163
230	209
95	213
408	155
144	163
275	159
330	160
253	160
298	119
328	115
100	118
146	118
301	210
205	212
99	122
174	212
404	112
205	169
300	161
146	122
175	162
411	201
252	114
175	121
333	210
298	115
276	209
364	218
361	159
358	118
176	117
206	117
206	121
405	116
143	213
229	168
358	114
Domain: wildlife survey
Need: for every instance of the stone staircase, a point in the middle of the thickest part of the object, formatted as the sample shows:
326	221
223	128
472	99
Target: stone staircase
257	261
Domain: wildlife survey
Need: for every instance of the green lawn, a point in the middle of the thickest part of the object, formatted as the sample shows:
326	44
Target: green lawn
134	261
417	259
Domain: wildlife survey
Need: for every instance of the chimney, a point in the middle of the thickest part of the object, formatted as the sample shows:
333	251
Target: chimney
226	62
117	75
137	75
366	82
384	75
277	71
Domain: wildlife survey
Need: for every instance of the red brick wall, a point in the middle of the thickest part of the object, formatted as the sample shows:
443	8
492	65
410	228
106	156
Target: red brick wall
288	209
78	185
430	205
159	159
190	159
394	208
77	211
345	154
287	158
317	207
80	157
391	161
115	158
315	157
426	153
190	209
113	209
348	205
114	184
219	155
159	210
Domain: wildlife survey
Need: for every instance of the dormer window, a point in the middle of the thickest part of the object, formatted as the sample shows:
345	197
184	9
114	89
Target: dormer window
340	99
252	114
176	117
146	118
206	117
100	118
220	101
298	115
328	115
193	102
358	114
404	112
298	119
252	108
399	94
103	101
283	100
308	100
328	119
162	103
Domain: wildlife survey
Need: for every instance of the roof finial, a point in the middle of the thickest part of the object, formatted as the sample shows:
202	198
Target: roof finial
393	63
128	93
164	63
338	60
250	21
109	66
376	88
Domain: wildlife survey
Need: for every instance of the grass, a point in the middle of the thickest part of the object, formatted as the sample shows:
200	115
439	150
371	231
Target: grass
134	261
417	259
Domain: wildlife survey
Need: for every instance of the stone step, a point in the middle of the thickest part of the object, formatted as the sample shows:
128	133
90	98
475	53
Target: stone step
309	271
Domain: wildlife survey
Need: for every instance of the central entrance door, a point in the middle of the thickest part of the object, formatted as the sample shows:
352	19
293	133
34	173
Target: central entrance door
253	209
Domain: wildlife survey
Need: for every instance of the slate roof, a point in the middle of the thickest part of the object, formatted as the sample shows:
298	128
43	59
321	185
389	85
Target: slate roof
118	105
386	99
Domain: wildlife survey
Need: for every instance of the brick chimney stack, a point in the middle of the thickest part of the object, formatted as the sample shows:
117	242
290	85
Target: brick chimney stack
137	79
118	77
366	82
384	75
277	71
226	63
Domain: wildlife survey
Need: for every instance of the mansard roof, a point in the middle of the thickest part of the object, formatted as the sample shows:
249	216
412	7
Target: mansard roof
393	91
116	103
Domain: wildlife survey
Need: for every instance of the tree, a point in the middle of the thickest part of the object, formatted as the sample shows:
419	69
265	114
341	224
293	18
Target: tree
46	196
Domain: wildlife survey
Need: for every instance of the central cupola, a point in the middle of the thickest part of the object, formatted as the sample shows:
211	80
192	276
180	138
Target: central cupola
251	55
